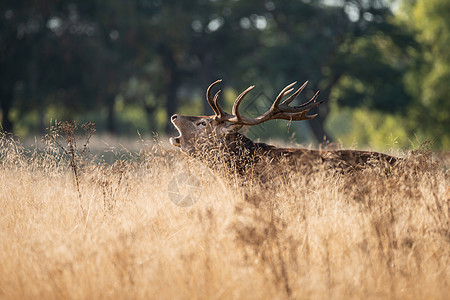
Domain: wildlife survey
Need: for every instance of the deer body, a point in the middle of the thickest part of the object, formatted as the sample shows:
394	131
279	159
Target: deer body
199	135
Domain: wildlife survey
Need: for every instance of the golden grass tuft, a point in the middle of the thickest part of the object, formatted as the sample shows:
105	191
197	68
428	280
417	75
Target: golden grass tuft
362	235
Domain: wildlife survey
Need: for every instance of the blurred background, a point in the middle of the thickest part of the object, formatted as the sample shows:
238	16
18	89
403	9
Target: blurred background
382	67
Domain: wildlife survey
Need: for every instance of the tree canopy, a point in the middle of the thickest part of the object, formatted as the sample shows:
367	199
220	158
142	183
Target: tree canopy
128	65
428	79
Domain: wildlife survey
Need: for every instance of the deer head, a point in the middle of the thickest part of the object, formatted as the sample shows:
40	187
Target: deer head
193	129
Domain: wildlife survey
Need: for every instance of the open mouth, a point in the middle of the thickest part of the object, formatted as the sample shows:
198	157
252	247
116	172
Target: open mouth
176	141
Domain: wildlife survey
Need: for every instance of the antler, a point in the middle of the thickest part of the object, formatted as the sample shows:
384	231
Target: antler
276	111
214	103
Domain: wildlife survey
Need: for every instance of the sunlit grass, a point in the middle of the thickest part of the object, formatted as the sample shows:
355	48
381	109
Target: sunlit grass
306	234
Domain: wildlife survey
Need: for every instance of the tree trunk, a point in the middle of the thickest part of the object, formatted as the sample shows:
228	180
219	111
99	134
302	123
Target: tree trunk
173	82
110	121
150	111
7	124
318	123
6	105
318	129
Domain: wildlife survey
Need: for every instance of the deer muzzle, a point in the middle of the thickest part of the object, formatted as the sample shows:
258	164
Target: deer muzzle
175	141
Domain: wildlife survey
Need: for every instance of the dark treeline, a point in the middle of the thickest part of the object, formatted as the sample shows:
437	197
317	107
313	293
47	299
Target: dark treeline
62	59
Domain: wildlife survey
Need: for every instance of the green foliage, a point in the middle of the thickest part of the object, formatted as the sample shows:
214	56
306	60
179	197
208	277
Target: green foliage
371	77
429	76
365	128
131	64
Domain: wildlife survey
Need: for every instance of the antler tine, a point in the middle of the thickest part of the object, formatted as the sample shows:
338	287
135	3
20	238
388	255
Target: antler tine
216	102
211	102
237	102
299	115
301	107
313	99
277	110
221	115
283	92
266	116
294	95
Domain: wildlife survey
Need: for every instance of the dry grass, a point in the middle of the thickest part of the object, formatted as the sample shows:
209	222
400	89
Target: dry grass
363	235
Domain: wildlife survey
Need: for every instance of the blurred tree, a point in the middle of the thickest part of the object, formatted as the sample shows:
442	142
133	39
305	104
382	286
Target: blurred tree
196	43
220	46
84	56
14	25
169	33
44	55
73	55
344	49
428	80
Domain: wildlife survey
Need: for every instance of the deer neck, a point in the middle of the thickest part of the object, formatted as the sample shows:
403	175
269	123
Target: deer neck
241	145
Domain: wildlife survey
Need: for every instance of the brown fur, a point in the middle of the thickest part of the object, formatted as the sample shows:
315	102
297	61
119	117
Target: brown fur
244	156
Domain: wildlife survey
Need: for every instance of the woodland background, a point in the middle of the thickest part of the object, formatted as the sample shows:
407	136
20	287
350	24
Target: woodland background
383	67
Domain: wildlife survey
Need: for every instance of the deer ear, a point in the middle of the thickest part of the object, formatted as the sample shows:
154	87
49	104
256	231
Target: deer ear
229	128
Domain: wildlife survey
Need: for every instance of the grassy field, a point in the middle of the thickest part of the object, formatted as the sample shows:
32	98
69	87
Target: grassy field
124	230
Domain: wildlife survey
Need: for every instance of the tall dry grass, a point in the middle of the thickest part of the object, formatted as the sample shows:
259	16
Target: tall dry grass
307	234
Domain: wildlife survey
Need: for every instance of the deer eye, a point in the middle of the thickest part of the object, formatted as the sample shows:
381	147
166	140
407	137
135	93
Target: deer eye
201	124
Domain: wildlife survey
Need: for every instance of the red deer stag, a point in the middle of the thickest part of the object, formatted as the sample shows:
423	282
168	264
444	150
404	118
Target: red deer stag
203	135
